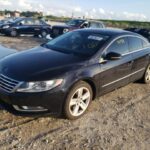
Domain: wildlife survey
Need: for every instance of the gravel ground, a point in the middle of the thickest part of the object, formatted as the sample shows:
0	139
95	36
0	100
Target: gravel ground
119	120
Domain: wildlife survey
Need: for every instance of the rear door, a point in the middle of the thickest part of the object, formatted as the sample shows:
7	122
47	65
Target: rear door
116	73
37	26
26	26
139	49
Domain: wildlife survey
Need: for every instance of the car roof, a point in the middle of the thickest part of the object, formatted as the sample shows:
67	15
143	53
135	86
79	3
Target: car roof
110	32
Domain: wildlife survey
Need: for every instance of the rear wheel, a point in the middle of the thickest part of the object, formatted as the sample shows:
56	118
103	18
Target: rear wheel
78	100
43	33
146	77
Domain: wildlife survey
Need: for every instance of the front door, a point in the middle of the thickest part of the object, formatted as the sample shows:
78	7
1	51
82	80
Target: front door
116	73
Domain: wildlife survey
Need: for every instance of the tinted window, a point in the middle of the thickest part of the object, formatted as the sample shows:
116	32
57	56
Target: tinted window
96	25
145	44
81	42
75	22
27	21
135	43
119	46
37	22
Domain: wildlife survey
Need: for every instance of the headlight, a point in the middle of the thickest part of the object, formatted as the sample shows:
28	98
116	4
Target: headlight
5	27
39	86
65	30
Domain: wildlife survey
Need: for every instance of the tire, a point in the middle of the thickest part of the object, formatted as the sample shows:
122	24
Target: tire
14	33
43	33
78	100
146	77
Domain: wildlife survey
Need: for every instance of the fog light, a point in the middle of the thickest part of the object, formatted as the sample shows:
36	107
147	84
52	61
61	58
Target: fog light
29	108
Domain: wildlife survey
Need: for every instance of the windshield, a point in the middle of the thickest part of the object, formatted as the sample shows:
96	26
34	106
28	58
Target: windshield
75	22
78	42
4	21
16	20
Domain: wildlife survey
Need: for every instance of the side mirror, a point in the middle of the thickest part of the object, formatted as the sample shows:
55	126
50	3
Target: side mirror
113	56
84	25
20	24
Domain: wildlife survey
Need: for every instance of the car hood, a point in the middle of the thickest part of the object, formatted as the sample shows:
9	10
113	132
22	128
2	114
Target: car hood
5	24
38	64
6	51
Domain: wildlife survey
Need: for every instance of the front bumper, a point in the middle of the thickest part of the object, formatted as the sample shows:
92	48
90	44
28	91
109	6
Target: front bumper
5	31
52	101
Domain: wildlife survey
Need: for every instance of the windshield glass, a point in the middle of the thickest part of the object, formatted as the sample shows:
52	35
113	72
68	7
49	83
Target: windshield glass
78	42
75	22
16	20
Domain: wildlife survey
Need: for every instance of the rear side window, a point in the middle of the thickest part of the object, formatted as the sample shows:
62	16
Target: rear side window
145	44
95	25
135	43
119	46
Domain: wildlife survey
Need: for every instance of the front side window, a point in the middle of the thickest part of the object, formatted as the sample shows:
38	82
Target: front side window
38	22
81	42
28	21
119	46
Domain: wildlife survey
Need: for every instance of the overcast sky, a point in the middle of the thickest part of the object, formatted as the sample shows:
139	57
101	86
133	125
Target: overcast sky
98	9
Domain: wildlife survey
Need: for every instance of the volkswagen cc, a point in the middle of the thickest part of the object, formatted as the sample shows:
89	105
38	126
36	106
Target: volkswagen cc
64	75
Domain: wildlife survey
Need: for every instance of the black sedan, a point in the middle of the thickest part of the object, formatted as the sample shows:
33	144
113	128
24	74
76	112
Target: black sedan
67	73
25	26
74	24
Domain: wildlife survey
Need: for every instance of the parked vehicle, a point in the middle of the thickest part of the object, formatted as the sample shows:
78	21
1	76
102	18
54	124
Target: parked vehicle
25	26
143	32
67	73
75	24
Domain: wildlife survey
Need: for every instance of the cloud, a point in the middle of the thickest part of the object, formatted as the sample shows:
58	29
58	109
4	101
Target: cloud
78	9
63	9
136	16
25	5
101	10
5	2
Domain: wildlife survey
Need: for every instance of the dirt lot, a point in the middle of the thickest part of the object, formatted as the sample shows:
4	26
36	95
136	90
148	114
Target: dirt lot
119	120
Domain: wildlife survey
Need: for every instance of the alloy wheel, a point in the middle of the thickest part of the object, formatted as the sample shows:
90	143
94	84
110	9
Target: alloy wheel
79	101
147	75
13	33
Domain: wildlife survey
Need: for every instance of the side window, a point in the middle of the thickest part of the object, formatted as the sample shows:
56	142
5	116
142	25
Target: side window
94	25
29	21
100	25
145	44
37	22
135	43
119	46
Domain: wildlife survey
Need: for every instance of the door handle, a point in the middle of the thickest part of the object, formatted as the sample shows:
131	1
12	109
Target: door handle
130	63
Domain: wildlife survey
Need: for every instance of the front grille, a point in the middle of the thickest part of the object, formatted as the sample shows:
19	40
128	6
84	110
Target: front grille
8	84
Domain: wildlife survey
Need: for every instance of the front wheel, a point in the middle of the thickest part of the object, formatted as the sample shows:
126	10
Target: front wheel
146	77
78	100
14	33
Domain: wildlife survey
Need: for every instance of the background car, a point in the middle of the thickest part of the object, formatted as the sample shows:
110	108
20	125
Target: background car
75	24
67	73
143	32
26	26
